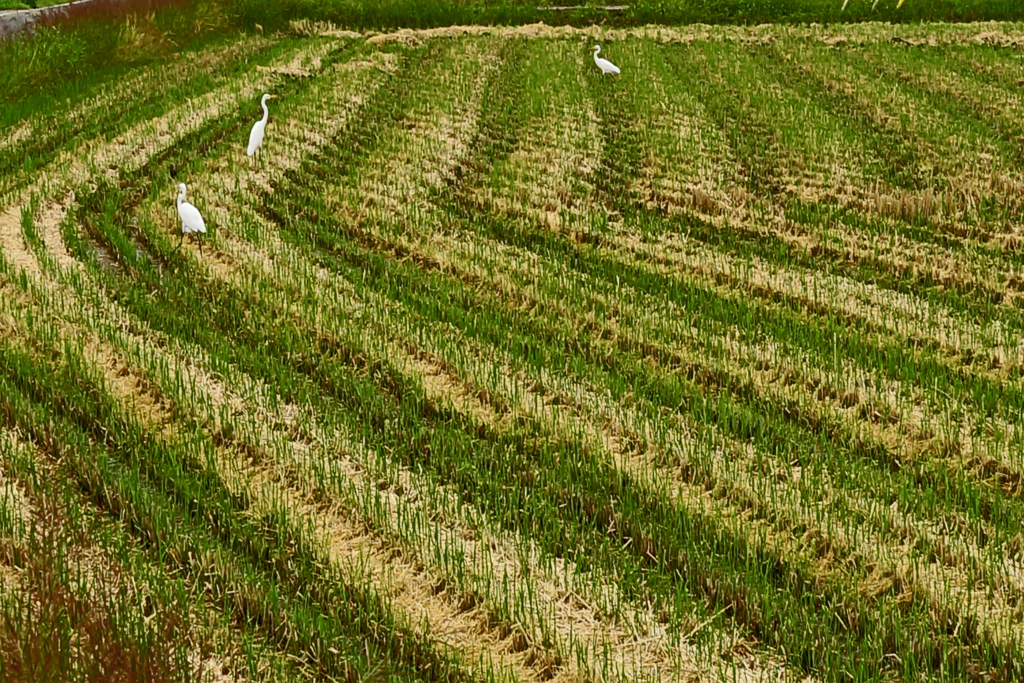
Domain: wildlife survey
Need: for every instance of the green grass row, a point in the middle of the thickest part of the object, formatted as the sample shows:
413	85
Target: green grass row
551	488
64	60
333	244
258	568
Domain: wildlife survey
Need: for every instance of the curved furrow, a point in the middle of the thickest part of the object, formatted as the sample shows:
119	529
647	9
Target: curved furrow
430	169
692	172
455	257
408	346
451	264
129	388
395	353
963	172
996	352
891	397
507	370
114	107
86	561
419	215
536	663
159	417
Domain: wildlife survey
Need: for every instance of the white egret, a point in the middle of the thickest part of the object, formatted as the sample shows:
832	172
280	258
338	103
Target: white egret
192	222
605	66
256	135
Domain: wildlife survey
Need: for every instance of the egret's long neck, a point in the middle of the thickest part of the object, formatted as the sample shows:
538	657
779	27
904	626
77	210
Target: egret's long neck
596	50
181	198
266	112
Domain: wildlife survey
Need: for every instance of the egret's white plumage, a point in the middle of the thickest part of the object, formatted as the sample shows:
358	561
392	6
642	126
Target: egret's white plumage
605	66
258	128
192	222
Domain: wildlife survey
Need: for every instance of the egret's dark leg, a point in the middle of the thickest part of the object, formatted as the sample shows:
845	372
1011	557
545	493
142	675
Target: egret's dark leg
200	240
180	241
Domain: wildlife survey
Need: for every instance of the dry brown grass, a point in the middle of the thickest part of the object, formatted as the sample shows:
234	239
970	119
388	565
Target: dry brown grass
990	33
60	620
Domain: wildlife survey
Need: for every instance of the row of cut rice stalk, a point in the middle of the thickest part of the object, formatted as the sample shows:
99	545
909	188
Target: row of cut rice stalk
107	604
197	98
1000	445
691	170
550	180
937	79
999	68
247	563
113	106
132	149
111	582
115	323
878	410
453	256
447	263
973	346
888	390
551	170
989	352
961	182
994	340
498	399
526	611
476	378
403	222
984	112
839	156
428	166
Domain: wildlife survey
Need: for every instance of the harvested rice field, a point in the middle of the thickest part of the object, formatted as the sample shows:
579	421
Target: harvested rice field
494	368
